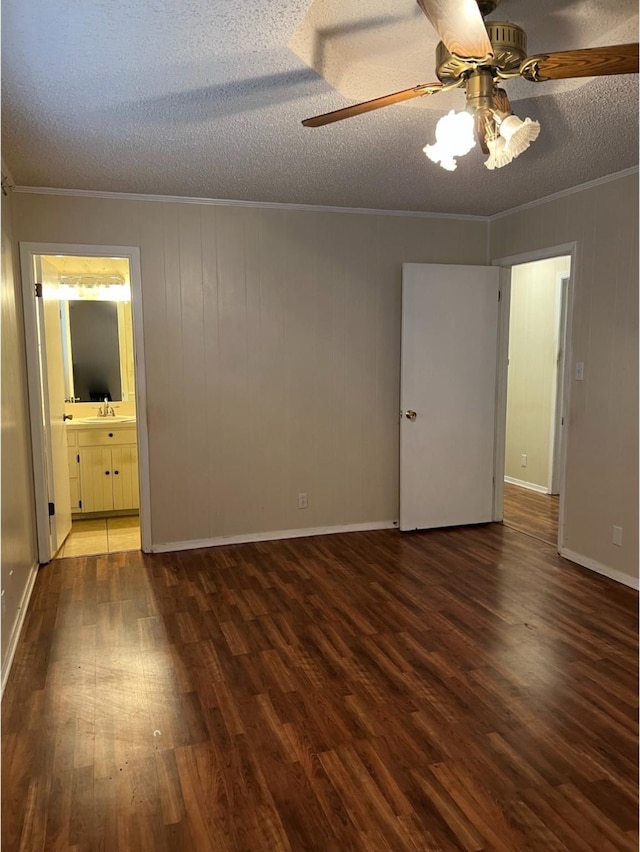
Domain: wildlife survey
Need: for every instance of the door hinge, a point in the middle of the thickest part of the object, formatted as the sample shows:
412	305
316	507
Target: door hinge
52	509
499	294
38	290
562	421
78	458
80	504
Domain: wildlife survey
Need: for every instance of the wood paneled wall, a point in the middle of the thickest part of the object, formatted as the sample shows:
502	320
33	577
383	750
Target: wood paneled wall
18	519
602	461
272	353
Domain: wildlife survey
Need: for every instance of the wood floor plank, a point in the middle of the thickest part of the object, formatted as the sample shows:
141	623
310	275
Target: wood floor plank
459	689
531	512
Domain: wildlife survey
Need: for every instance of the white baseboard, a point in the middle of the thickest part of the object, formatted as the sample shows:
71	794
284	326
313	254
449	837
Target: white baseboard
17	627
599	568
164	547
528	485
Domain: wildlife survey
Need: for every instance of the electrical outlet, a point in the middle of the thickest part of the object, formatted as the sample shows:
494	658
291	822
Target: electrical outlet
617	536
303	500
523	460
580	371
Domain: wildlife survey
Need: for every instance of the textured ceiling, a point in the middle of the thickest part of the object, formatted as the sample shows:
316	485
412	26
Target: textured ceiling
205	98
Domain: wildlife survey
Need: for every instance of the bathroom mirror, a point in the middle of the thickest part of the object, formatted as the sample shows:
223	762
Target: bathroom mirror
97	350
95	353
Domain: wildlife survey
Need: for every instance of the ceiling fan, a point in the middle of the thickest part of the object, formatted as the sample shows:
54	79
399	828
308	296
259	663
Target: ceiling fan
478	55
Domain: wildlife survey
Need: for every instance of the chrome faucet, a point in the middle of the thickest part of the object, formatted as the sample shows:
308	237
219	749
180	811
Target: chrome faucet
107	410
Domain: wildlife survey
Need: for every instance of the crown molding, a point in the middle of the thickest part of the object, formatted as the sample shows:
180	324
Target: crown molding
318	208
563	193
8	182
227	202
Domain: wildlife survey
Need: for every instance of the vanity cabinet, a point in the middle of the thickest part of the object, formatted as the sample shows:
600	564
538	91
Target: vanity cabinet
109	478
106	468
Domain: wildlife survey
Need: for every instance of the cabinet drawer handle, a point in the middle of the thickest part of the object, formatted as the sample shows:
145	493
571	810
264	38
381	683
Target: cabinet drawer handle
106	473
111	434
116	472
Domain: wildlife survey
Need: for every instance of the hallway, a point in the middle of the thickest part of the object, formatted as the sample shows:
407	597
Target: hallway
531	512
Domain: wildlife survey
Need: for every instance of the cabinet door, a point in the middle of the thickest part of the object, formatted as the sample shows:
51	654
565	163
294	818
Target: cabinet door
96	479
74	478
124	462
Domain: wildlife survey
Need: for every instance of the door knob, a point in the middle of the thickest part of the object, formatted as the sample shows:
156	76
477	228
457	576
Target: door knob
67	417
410	414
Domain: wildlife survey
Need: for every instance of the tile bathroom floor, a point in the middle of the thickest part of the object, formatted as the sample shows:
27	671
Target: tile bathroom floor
102	535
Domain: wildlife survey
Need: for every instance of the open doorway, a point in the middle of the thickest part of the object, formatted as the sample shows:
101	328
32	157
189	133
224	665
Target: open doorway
537	332
85	399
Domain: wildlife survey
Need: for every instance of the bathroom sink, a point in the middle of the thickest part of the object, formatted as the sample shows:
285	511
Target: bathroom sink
106	421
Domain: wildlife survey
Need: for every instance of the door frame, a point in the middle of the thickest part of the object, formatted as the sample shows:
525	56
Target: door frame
506	263
28	250
555	428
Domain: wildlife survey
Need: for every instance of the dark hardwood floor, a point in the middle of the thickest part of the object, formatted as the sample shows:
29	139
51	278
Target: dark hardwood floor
462	689
531	513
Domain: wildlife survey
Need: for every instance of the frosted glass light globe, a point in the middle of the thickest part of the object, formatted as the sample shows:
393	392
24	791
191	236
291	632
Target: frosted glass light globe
519	134
499	156
454	138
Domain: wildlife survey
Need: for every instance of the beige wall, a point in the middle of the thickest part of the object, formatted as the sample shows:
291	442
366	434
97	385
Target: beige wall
18	517
533	352
602	459
272	351
272	346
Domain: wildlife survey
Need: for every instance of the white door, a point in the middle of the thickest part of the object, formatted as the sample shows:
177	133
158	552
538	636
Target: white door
448	394
54	427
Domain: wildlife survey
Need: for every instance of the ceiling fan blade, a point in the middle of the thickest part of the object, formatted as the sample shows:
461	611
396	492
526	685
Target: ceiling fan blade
460	26
376	103
588	62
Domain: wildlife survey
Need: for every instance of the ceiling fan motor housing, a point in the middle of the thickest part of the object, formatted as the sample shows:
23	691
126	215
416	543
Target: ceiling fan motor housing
509	42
